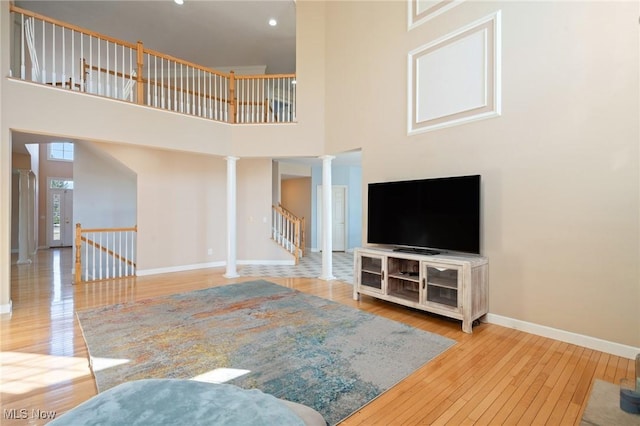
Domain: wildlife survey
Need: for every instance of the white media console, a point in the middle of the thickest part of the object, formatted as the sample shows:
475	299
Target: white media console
455	286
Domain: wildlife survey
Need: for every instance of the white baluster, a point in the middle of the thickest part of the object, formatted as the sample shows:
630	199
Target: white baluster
91	88
162	85
155	81
23	69
93	252
120	254
131	74
82	73
181	107
86	258
199	95
100	256
107	85
63	60
113	257
100	88
44	55
73	59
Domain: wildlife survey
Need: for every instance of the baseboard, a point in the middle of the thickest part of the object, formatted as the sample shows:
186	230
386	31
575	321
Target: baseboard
182	268
6	308
267	262
315	250
613	348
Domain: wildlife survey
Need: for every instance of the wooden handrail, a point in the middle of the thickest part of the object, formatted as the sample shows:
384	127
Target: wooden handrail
183	62
26	12
264	76
131	228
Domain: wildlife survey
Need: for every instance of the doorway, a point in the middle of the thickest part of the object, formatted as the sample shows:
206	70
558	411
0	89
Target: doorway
338	217
60	213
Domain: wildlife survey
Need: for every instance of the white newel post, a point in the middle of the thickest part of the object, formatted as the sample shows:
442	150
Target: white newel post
23	217
327	226
231	218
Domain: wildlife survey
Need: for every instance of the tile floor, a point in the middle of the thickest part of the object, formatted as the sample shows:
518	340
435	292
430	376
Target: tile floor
310	266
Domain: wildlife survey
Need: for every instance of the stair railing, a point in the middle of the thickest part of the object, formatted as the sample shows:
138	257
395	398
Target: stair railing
105	253
69	57
288	231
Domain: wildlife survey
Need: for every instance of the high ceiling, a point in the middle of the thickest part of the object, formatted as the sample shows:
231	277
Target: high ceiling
212	33
219	34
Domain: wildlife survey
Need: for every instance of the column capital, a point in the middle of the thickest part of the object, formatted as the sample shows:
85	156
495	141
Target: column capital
231	158
327	157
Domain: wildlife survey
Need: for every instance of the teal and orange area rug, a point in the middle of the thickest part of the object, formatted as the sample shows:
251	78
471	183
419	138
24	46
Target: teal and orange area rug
289	344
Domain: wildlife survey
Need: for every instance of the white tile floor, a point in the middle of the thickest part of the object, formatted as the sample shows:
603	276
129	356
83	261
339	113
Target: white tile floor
310	266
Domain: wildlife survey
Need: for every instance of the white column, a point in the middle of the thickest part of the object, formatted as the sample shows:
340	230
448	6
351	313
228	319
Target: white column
231	218
23	218
33	245
327	226
6	28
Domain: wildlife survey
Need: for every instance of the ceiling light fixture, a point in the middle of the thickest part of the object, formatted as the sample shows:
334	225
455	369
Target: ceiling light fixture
179	1
273	22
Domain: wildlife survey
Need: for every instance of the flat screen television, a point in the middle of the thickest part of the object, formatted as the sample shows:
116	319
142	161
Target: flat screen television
427	216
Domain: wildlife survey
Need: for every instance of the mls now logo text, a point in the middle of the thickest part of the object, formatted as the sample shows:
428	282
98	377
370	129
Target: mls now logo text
23	413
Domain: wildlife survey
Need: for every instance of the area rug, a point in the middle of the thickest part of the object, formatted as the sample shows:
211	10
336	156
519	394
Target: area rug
603	407
292	345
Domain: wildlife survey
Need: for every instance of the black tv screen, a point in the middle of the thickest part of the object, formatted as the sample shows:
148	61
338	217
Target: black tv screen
441	214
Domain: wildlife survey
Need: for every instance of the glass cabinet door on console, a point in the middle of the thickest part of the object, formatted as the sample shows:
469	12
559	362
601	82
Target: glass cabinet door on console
372	272
443	285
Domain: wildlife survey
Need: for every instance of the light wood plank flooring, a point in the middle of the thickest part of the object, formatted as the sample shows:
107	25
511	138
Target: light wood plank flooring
494	376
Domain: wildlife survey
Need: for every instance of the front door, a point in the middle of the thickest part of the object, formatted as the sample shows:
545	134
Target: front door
60	221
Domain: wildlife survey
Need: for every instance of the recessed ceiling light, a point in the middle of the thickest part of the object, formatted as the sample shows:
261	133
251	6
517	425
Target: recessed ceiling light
273	22
179	1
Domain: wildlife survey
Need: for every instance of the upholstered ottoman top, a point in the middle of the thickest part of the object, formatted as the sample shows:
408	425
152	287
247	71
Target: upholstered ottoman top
173	401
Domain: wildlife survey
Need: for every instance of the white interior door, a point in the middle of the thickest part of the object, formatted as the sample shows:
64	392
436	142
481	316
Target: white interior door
60	227
338	217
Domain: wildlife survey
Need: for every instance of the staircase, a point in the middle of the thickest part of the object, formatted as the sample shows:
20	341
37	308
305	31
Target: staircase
288	231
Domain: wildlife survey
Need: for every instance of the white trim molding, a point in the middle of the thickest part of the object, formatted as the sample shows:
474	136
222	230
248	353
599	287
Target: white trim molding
456	78
613	348
268	262
420	11
169	269
6	308
219	264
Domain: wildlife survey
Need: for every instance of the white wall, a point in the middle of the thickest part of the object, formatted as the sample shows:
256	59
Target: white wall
104	193
560	167
254	213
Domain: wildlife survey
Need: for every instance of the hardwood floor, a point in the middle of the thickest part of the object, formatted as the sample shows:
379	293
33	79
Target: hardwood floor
494	376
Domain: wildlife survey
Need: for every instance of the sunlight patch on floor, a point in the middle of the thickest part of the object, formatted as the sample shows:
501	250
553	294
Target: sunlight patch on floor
23	372
220	375
99	364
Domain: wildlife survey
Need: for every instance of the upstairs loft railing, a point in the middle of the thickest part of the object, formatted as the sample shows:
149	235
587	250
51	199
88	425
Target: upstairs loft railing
288	231
104	253
48	51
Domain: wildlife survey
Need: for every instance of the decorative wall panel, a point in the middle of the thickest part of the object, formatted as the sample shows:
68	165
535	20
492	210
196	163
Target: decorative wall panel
456	78
420	11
